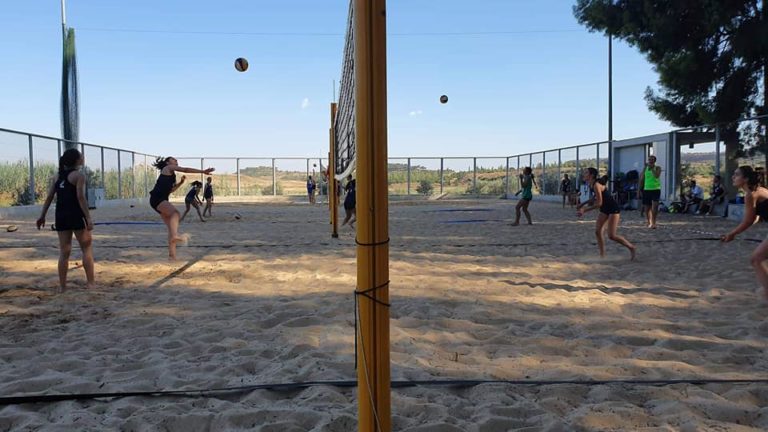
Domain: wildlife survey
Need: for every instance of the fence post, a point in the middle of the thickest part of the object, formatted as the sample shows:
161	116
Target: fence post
578	168
474	176
597	157
542	181
237	170
133	174
559	167
58	141
146	177
202	167
717	150
274	179
119	176
506	185
32	171
103	182
441	175
408	178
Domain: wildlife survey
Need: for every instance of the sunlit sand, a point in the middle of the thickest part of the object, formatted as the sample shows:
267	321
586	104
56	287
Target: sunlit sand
268	299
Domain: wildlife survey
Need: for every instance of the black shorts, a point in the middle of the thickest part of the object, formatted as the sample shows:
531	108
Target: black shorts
208	197
649	197
349	204
69	223
155	201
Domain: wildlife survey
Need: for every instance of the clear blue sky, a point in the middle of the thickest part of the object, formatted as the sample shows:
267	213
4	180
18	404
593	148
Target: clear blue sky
180	94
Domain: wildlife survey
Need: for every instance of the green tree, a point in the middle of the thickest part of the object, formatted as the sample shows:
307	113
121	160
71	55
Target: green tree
711	57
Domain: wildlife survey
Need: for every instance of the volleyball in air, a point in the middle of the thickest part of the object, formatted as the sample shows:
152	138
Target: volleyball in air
443	99
241	64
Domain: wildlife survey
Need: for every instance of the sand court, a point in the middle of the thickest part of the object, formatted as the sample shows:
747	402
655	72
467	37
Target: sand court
268	299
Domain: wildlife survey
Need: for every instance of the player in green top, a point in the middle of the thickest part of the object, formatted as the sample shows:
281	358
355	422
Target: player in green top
650	190
527	182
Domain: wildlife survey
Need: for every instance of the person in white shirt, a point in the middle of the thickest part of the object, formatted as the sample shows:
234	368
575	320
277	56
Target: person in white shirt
585	195
694	197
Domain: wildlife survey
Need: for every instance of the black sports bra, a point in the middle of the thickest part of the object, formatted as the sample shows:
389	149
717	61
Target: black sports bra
761	208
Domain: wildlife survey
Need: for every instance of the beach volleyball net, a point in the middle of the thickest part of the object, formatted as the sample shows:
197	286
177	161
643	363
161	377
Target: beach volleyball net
344	126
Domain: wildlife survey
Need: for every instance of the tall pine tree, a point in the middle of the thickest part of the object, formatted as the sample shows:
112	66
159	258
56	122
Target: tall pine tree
711	57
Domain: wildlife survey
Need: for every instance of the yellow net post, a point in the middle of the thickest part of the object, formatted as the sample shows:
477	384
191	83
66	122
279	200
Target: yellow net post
373	375
333	197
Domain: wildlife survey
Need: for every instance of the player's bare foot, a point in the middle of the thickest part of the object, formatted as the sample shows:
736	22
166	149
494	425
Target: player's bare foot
632	253
515	224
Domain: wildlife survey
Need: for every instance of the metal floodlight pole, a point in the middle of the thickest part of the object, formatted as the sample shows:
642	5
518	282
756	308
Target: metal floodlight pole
610	115
63	20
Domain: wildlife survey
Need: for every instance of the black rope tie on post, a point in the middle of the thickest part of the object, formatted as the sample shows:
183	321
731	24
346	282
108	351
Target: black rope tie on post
372	244
367	293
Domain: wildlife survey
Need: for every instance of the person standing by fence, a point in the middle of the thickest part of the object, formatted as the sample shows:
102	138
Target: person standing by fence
650	191
208	196
311	186
527	182
565	188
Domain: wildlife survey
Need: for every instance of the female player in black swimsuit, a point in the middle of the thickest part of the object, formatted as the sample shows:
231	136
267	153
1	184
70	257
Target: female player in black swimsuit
193	200
610	213
158	197
755	205
350	202
72	215
208	195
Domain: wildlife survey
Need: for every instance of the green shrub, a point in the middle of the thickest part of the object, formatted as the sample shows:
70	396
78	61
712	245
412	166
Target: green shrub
425	187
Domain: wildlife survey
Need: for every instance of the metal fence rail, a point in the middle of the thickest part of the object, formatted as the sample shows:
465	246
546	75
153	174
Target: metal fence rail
28	161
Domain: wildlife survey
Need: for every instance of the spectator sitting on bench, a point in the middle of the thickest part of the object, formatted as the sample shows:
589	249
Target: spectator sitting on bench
694	196
716	197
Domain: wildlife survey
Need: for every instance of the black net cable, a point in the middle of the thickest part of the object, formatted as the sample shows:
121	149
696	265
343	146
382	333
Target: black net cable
214	392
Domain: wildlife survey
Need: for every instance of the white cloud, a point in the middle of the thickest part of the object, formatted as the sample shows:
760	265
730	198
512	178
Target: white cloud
305	103
415	113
